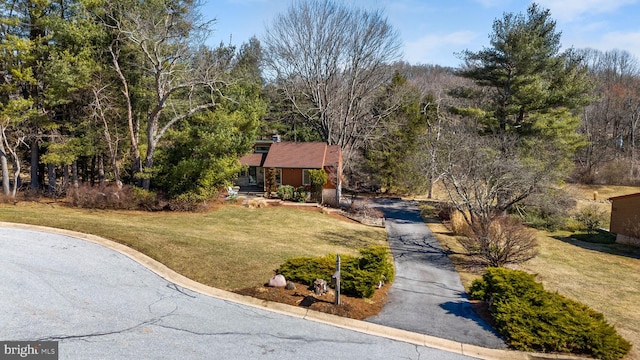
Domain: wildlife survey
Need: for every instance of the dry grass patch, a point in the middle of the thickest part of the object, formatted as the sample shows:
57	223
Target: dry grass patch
230	248
602	276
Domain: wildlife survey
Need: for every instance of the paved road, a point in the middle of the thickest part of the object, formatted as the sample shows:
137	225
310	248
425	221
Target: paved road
427	296
100	304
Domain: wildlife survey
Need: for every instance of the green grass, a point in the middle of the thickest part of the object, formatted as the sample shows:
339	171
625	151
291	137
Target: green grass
228	248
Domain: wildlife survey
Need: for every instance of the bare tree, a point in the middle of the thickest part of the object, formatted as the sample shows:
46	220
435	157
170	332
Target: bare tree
330	60
483	178
102	110
611	122
184	76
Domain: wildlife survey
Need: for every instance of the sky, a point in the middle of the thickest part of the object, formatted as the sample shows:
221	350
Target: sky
433	31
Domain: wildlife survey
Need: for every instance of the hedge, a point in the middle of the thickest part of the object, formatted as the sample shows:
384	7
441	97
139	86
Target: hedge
533	319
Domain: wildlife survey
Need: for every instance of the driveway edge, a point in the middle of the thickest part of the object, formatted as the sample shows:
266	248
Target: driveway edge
351	324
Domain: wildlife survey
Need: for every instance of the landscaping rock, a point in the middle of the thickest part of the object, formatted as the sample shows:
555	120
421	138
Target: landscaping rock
290	286
320	287
278	281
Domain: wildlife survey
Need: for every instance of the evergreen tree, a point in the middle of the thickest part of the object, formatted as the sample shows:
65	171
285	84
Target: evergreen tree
395	158
522	137
534	94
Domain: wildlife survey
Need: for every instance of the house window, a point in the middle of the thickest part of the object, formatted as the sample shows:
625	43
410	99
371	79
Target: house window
261	149
306	178
252	175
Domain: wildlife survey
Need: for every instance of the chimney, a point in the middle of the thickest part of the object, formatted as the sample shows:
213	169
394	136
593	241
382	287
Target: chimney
275	138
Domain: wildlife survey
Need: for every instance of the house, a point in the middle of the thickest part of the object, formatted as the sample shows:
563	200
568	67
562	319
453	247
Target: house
292	162
625	218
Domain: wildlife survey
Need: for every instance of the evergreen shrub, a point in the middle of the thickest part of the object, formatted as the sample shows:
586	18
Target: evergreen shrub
533	319
286	192
301	194
360	276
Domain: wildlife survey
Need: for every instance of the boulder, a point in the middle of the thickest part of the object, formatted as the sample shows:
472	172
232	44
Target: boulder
290	286
278	281
320	287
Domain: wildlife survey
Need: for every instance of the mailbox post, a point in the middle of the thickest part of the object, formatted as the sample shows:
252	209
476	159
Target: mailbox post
335	279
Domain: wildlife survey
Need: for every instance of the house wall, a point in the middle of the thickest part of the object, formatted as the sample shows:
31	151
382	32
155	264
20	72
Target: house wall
624	211
292	177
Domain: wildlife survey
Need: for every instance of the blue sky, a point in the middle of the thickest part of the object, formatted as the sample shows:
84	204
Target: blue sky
433	30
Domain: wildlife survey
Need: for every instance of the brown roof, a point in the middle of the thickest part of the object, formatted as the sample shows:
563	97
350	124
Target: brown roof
255	159
624	196
333	155
302	155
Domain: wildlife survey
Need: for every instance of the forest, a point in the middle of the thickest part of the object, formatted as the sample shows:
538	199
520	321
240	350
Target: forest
128	94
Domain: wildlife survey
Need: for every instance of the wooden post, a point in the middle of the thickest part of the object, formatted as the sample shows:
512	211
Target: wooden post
336	280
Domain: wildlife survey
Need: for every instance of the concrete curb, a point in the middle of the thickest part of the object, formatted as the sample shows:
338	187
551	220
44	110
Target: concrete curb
298	312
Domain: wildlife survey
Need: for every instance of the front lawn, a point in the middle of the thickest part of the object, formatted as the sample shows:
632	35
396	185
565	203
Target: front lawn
232	247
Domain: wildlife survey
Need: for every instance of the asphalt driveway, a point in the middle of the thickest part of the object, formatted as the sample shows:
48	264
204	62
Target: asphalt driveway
99	304
427	296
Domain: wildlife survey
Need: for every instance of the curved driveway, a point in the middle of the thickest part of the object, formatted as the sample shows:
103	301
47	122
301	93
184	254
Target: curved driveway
100	304
427	296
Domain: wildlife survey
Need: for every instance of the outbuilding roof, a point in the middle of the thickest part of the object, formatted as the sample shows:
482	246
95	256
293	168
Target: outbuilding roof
624	196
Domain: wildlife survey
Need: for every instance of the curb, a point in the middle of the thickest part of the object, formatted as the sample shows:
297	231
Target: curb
346	323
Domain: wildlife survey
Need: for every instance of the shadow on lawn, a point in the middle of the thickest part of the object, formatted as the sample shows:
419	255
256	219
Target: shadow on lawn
602	242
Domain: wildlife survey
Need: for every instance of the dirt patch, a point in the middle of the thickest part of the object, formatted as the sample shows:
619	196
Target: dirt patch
351	307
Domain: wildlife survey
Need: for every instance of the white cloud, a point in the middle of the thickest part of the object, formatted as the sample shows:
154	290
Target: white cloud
570	10
492	3
628	41
434	48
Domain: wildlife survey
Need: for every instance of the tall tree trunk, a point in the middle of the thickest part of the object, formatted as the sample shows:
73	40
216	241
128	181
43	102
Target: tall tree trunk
101	169
92	171
5	169
74	173
51	174
148	164
65	176
133	124
35	158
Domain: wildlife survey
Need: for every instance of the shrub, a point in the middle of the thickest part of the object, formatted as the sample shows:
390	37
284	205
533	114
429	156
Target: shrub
506	241
459	225
547	211
444	210
533	319
359	275
591	218
286	192
301	194
189	202
318	180
102	197
145	199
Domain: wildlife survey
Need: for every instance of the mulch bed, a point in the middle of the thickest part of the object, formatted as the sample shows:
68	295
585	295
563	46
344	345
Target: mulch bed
351	307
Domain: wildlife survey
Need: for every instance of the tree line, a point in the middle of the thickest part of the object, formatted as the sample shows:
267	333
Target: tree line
128	92
125	92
